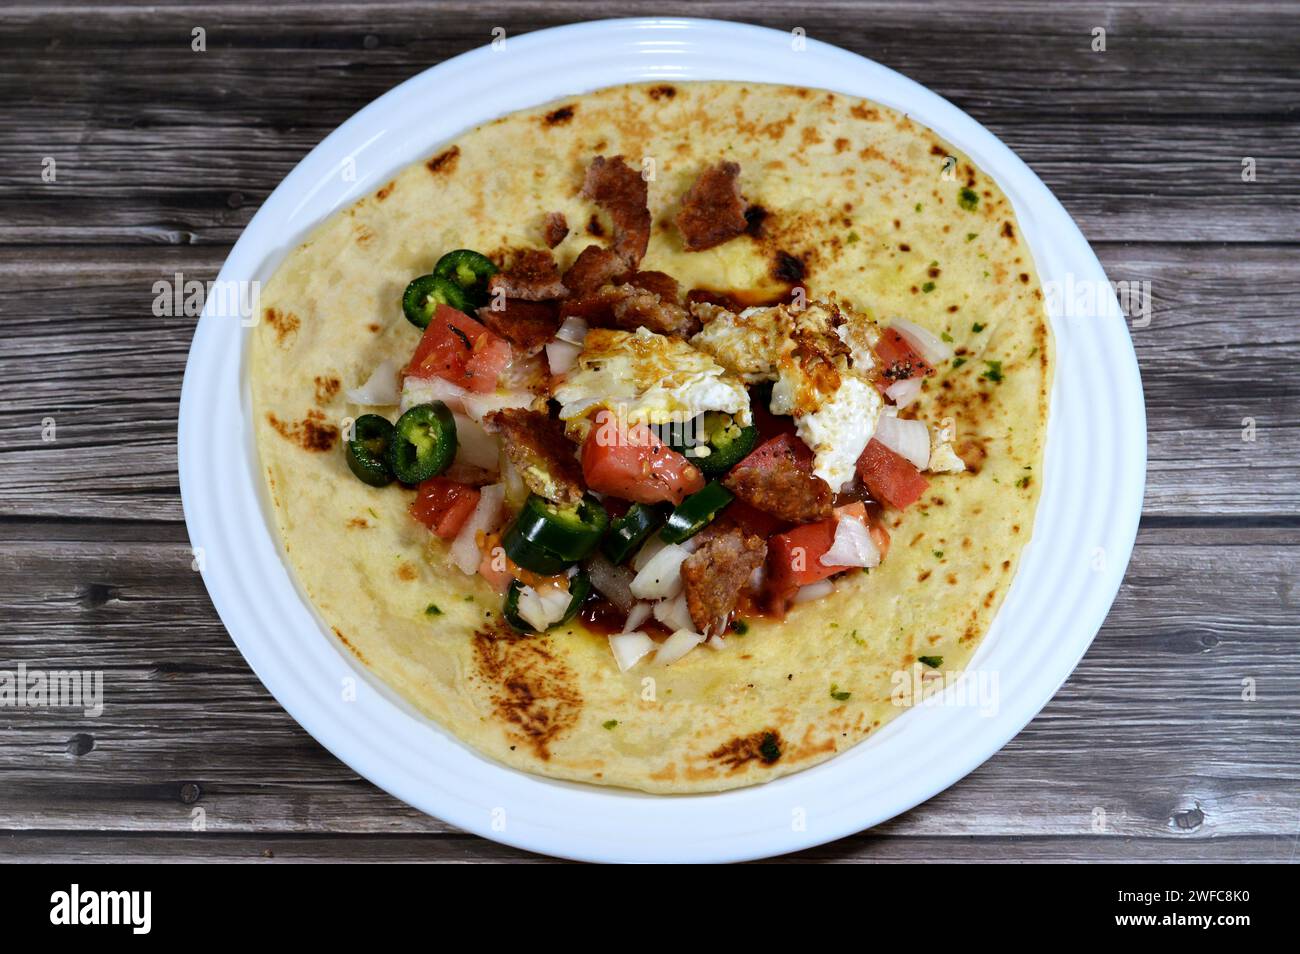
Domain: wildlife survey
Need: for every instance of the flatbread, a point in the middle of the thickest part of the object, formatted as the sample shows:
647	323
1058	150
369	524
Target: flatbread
857	200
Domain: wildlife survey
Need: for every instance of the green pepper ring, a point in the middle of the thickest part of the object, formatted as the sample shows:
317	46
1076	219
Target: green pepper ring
529	556
423	443
728	455
629	531
365	452
695	512
579	590
570	533
424	294
469	271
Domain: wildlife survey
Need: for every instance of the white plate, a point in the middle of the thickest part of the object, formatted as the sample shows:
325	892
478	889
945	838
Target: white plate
1070	573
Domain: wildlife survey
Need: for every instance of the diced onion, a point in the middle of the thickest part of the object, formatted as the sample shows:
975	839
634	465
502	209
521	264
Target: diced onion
717	642
852	545
638	614
612	581
927	344
474	445
909	439
628	648
380	388
562	355
464	549
904	392
541	608
573	330
647	551
814	591
471	403
674	613
661	577
676	646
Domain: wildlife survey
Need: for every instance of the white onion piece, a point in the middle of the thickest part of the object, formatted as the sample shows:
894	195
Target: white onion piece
814	591
471	403
904	392
380	388
562	355
852	545
628	648
674	613
757	578
647	552
474	445
542	608
717	642
676	646
485	518
909	439
638	614
612	582
573	330
479	406
661	577
927	344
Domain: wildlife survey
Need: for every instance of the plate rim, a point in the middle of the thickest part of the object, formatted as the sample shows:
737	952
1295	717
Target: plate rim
547	839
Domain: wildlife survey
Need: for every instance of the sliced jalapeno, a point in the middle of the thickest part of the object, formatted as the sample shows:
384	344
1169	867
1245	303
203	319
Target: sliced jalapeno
371	436
695	512
629	531
423	296
423	443
569	533
469	270
717	443
528	555
579	590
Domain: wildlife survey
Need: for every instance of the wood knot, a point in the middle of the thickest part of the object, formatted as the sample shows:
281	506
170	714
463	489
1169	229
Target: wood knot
1189	819
97	594
80	744
190	793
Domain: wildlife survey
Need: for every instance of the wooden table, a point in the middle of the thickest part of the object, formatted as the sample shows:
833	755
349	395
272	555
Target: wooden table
162	154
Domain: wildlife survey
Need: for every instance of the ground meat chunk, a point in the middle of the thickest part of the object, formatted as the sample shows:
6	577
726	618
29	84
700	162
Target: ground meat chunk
545	458
532	276
527	325
783	486
713	210
619	189
555	227
629	307
661	283
714	576
594	267
636	308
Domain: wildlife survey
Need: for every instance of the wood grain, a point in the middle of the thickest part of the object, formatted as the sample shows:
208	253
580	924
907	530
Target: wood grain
163	155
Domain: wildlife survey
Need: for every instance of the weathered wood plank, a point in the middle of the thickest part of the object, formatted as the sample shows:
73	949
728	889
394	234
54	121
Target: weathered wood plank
192	166
83	347
93	847
181	708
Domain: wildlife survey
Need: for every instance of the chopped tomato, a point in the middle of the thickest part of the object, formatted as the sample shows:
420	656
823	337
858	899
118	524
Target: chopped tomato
461	350
891	478
752	520
633	463
794	557
783	446
898	360
880	537
444	505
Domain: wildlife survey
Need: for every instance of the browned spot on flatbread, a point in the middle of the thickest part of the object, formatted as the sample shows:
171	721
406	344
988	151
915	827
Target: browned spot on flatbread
285	323
406	572
558	117
344	640
665	91
1008	230
326	387
358	523
787	268
311	433
444	161
386	191
765	746
864	112
534	692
